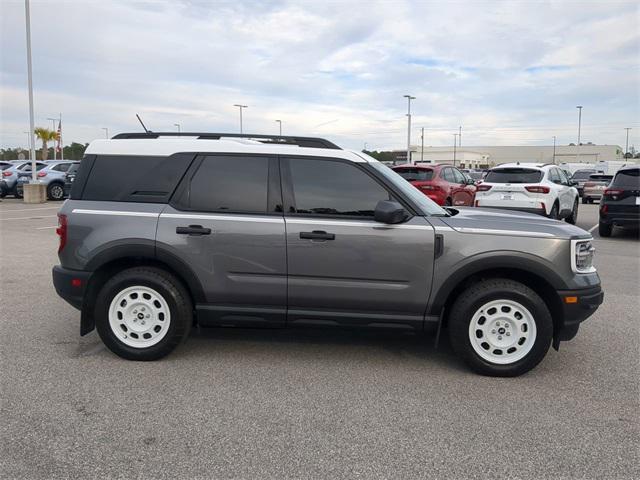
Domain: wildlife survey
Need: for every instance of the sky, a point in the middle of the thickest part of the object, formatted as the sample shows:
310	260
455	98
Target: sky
509	73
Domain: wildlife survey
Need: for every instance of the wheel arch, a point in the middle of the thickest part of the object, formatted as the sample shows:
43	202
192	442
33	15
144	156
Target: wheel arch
121	256
515	266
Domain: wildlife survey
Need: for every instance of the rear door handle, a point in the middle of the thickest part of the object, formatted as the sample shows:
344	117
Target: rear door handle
193	230
317	235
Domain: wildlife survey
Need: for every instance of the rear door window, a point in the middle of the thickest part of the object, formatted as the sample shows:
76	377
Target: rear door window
230	184
416	174
627	179
513	175
458	176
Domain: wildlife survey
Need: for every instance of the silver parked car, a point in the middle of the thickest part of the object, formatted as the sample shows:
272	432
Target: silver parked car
10	175
272	232
52	175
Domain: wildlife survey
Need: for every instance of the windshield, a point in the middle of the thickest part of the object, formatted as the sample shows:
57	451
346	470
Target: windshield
415	174
628	179
428	206
582	174
513	175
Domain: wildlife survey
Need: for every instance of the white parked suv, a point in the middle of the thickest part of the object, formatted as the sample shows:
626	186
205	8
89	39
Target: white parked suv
530	187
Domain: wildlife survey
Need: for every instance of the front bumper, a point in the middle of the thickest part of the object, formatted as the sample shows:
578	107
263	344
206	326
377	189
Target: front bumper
70	284
577	306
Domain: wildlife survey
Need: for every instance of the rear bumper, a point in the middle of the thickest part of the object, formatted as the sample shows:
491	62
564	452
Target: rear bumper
586	302
621	219
70	284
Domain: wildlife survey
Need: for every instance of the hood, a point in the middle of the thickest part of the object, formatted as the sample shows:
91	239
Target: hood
509	222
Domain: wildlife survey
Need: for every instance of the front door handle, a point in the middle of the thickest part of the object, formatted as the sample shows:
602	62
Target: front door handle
317	235
194	230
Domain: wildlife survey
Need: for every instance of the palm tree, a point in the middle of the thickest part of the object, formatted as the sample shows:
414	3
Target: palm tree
46	136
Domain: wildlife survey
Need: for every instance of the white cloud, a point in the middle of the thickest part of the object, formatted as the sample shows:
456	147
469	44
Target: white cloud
509	72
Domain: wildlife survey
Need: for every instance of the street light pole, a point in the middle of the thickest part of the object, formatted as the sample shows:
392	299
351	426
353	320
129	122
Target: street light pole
455	141
626	145
106	132
280	125
422	142
32	145
460	136
53	124
177	125
409	98
579	107
240	107
554	149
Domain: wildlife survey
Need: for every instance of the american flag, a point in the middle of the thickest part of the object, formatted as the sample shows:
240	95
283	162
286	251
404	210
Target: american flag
59	137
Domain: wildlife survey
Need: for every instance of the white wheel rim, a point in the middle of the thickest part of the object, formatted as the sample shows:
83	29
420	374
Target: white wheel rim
502	332
139	316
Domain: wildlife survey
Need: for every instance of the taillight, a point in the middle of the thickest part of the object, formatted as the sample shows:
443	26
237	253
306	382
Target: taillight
537	189
62	231
604	209
6	174
42	174
484	188
613	193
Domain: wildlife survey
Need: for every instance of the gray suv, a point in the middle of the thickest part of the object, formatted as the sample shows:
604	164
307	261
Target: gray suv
224	230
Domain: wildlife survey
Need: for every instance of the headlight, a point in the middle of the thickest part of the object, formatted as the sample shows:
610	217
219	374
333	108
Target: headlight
582	252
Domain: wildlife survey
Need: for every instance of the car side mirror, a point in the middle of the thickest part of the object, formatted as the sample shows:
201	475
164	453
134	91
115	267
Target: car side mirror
389	212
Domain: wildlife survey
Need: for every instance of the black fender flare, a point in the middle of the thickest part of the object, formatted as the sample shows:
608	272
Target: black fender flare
135	249
511	260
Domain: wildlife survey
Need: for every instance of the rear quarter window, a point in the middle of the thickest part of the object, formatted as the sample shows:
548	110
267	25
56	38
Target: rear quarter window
415	174
124	178
627	179
513	175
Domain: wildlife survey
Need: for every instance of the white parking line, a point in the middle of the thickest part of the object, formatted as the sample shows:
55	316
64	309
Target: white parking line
593	228
28	218
44	228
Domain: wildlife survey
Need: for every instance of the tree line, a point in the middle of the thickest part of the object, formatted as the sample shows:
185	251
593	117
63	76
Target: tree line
74	151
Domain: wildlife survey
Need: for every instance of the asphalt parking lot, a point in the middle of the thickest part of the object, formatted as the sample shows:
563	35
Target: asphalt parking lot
291	404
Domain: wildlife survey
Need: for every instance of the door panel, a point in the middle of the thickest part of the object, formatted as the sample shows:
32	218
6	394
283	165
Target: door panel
369	271
345	269
238	257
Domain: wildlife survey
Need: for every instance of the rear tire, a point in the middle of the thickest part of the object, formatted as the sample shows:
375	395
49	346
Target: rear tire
554	211
500	328
605	229
55	191
573	217
584	200
143	313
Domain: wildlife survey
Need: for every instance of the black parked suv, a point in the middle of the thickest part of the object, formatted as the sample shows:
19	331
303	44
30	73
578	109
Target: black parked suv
620	204
271	232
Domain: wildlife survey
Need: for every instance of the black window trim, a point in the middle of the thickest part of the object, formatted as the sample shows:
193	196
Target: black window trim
288	197
274	194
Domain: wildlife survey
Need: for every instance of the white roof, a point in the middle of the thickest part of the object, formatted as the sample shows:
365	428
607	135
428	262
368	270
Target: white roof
170	145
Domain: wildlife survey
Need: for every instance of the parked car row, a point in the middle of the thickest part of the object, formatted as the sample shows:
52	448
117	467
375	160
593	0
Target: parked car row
53	174
535	188
542	189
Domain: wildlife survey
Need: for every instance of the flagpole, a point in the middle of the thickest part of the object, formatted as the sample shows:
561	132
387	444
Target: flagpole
61	146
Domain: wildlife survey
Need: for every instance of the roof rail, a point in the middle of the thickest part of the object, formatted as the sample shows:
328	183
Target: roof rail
309	142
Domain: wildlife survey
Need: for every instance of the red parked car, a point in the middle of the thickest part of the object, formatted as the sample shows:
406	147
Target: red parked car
444	184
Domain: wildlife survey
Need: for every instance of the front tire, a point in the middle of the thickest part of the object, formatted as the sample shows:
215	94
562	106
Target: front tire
500	328
143	313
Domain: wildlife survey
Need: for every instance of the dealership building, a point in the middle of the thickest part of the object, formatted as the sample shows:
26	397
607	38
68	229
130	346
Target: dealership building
486	157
